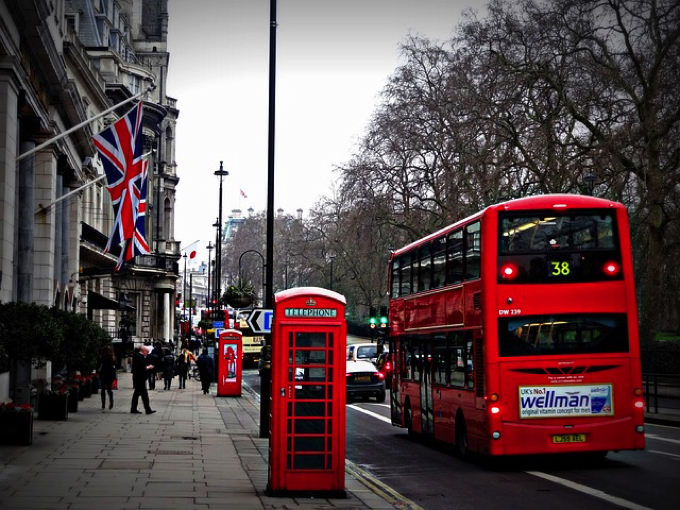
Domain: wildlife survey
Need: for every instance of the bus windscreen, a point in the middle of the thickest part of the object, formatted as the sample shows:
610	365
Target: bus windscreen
555	248
562	334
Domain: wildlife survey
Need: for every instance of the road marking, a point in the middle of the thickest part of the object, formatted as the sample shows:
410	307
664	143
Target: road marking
379	488
664	453
370	413
659	438
377	405
589	490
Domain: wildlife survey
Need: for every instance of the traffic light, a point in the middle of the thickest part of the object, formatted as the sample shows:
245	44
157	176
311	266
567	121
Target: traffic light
383	316
372	320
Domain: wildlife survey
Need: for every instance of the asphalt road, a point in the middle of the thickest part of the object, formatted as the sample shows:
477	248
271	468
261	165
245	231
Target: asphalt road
433	478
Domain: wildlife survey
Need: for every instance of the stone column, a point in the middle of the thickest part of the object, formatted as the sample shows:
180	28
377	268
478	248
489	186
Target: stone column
45	227
8	185
167	332
26	204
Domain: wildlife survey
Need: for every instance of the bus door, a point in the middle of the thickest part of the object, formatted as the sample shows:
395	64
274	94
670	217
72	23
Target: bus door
443	401
426	411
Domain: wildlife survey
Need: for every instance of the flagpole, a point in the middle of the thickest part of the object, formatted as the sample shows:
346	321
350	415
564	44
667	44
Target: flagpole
84	123
41	208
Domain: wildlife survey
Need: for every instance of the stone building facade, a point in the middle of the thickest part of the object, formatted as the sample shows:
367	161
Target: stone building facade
63	62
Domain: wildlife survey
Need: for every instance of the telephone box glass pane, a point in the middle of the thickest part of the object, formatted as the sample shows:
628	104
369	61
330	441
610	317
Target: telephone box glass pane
310	391
309	409
309	426
310	340
309	461
309	444
310	357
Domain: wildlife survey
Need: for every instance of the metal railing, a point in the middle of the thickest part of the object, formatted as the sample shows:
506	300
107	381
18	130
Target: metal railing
662	393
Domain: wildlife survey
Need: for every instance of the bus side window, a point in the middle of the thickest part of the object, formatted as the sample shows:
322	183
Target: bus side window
473	250
405	275
454	268
469	363
425	273
395	284
439	359
439	263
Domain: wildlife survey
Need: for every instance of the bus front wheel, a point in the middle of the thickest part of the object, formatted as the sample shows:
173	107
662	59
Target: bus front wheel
461	437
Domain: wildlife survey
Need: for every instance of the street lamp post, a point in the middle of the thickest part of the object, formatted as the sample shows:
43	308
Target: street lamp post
191	306
263	268
217	256
184	296
221	173
209	248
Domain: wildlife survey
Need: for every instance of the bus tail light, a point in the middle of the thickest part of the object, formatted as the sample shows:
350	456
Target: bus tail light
611	268
509	271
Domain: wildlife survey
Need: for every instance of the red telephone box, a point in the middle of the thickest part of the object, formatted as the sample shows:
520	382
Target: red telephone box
229	358
307	422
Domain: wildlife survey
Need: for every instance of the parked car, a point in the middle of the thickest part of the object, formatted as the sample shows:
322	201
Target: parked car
364	381
365	352
385	365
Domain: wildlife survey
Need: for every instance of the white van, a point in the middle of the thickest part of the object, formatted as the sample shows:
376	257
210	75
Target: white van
366	352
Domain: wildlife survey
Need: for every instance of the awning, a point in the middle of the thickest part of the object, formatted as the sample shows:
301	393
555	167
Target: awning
96	301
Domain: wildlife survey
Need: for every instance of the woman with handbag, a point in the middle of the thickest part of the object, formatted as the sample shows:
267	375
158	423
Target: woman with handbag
107	374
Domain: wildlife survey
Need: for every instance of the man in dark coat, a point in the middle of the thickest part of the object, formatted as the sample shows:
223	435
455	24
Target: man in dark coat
168	365
140	374
205	369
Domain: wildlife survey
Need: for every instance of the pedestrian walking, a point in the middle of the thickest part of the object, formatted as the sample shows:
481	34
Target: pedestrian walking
168	366
184	359
153	358
140	374
206	370
107	374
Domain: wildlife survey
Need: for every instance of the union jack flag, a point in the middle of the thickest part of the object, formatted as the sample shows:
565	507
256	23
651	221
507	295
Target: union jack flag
120	150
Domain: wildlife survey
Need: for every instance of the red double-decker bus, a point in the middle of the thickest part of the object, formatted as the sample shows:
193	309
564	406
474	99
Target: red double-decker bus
514	331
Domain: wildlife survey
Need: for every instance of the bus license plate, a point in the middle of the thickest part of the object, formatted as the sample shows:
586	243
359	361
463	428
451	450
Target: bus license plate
569	438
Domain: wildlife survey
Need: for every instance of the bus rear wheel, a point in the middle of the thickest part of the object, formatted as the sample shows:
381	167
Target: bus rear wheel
461	437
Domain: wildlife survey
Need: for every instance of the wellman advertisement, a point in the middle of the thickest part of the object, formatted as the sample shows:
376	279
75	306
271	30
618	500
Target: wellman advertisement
559	401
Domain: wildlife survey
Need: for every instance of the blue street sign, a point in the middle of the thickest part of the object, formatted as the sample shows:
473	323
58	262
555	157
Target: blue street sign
218	324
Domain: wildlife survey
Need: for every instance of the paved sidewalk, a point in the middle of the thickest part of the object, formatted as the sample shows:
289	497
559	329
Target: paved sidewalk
196	452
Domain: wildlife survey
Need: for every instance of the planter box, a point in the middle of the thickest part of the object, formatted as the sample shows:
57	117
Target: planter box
16	427
53	406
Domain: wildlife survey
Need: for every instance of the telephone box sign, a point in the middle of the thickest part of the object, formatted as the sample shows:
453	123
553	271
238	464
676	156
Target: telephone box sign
311	312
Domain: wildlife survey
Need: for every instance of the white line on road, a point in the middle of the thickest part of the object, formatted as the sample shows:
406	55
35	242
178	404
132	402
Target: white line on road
370	413
664	453
589	490
659	438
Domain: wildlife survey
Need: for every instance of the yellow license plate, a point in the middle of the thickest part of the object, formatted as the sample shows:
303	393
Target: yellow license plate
569	438
362	378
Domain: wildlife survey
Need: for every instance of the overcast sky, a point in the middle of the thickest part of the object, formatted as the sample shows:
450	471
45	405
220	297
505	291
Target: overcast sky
333	59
